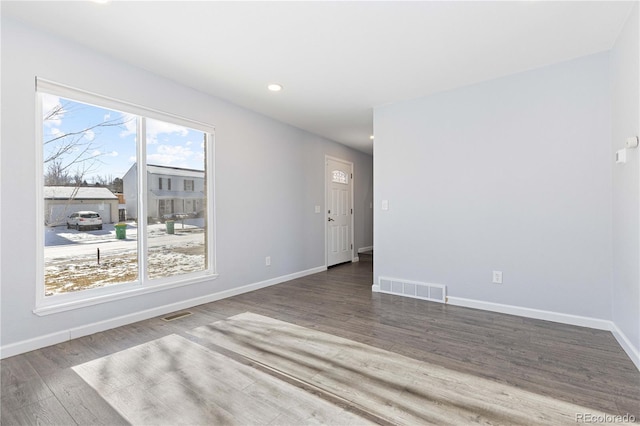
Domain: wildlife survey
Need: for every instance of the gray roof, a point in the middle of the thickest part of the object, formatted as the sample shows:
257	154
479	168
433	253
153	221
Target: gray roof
78	193
174	171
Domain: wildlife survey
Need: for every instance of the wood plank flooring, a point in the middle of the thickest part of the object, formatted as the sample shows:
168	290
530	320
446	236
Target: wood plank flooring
57	385
394	388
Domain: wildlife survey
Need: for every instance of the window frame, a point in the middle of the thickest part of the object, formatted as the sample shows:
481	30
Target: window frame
45	305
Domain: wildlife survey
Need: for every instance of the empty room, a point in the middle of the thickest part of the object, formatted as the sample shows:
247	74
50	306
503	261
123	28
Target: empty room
325	212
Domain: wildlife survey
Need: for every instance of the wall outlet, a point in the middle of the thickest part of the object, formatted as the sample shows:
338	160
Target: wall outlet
497	277
267	261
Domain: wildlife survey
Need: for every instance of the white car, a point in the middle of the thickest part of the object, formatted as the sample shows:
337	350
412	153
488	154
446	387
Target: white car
84	220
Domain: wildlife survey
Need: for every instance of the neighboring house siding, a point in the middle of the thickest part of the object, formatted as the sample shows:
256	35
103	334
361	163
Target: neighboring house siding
166	191
130	191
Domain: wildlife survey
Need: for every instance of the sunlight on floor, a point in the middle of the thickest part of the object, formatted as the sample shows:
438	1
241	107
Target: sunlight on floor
251	369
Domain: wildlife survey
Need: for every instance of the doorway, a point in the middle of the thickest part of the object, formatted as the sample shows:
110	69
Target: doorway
339	208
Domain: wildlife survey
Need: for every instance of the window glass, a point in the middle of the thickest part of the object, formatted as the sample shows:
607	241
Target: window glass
102	233
86	152
339	176
176	217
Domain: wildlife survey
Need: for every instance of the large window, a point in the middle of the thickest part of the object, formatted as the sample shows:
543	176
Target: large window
113	221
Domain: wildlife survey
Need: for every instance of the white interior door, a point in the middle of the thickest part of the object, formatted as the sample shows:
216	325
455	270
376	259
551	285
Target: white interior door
339	176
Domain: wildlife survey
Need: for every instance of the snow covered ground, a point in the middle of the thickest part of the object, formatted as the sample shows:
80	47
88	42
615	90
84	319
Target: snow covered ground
60	235
72	262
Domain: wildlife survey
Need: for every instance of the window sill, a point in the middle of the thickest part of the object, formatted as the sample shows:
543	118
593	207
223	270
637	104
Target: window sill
57	306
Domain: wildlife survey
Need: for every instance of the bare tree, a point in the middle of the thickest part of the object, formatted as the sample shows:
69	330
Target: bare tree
71	156
106	180
72	151
56	174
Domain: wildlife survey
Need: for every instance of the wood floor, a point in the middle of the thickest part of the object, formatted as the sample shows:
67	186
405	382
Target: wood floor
170	372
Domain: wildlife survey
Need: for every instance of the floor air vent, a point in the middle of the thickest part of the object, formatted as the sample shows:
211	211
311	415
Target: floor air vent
176	316
425	291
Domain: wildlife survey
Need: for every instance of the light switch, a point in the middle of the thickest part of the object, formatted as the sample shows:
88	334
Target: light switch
385	204
317	209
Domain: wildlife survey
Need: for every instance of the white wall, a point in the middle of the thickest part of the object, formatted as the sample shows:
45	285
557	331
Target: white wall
269	177
625	75
512	174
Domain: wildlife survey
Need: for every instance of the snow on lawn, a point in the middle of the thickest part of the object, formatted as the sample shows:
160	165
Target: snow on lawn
80	271
60	235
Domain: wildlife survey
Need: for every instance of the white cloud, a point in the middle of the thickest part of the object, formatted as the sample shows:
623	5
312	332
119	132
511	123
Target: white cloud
133	159
97	152
130	125
156	128
49	103
176	150
53	133
89	135
107	116
188	143
170	155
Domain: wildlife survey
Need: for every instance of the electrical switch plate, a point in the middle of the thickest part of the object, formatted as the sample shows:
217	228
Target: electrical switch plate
632	142
385	204
317	209
621	156
497	277
267	261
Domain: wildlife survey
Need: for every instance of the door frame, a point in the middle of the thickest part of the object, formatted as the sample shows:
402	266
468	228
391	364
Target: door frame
326	189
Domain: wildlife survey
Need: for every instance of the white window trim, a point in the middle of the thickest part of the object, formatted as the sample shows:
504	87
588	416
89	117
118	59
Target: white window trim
46	305
57	89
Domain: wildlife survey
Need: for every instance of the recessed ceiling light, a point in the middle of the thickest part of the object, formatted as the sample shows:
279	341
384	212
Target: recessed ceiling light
101	1
274	87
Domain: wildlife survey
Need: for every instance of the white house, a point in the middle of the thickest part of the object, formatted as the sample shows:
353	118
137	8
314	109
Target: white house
171	190
61	201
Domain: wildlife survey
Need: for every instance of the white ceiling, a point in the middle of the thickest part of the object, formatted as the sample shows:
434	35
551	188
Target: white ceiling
336	60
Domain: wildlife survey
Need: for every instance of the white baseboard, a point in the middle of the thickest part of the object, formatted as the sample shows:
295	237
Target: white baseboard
596	323
629	348
363	249
73	333
35	343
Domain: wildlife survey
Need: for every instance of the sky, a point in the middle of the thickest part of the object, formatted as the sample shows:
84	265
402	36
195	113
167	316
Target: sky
103	142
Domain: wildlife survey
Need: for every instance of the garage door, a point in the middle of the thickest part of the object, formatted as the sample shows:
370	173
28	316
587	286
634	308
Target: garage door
58	213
